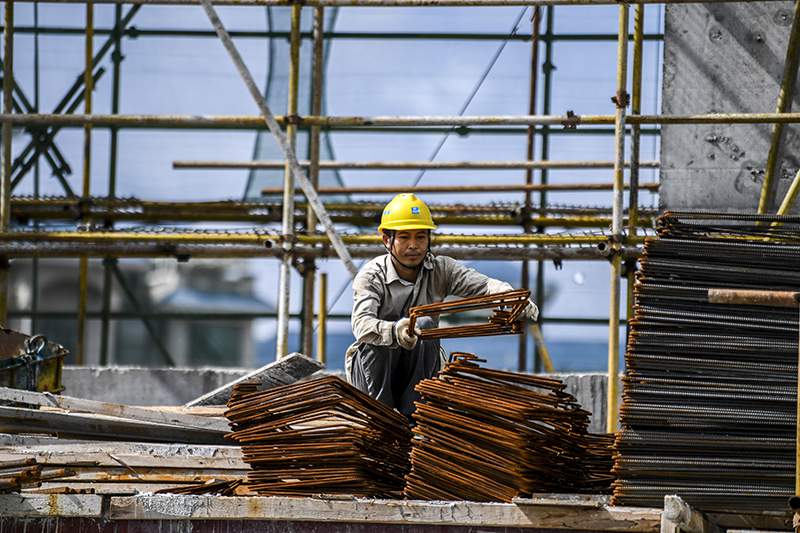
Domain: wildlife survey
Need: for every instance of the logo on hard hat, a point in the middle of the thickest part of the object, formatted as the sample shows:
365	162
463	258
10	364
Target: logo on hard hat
415	210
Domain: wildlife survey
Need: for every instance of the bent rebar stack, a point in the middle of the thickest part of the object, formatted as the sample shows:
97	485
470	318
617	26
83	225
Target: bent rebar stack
489	435
319	437
709	394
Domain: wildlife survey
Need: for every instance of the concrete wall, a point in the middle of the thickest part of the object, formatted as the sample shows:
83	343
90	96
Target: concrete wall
174	386
723	58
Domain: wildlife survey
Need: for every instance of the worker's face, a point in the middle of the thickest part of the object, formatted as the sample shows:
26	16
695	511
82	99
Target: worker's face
409	246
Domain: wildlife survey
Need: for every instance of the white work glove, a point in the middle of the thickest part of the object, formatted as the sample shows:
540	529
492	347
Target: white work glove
531	312
405	338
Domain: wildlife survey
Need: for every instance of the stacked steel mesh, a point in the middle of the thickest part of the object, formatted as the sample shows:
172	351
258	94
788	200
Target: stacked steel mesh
708	407
488	435
319	437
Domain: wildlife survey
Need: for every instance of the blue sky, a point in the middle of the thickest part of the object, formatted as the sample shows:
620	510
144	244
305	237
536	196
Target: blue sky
195	76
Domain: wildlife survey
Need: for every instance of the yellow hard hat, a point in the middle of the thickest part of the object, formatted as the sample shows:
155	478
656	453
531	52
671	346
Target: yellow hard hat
406	212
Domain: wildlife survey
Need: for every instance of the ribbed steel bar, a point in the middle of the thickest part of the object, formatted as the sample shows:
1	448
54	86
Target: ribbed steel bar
710	390
506	318
322	436
489	435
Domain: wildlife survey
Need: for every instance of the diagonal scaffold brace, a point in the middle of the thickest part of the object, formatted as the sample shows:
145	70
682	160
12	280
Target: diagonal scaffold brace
280	137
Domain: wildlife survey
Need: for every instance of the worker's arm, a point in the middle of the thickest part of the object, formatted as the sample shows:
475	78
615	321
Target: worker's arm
367	327
466	282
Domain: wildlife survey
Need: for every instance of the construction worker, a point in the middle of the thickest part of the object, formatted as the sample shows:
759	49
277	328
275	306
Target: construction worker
387	360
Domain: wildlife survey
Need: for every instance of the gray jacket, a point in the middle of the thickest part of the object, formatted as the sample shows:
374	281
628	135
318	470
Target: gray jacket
381	296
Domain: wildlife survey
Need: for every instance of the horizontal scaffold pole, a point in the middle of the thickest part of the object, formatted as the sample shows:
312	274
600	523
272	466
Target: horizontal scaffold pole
572	187
268	239
27	249
256	122
408	165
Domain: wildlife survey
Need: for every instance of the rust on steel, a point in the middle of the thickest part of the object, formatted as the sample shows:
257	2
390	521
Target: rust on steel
322	436
753	297
508	308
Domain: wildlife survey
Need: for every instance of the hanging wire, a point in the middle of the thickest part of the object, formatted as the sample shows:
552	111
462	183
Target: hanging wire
474	92
435	153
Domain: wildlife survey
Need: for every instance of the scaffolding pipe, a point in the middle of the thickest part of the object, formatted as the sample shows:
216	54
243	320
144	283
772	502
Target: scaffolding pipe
287	225
636	109
433	189
309	267
83	265
395	3
547	70
254	122
785	98
621	101
522	346
185	251
116	58
273	239
5	179
408	165
359	218
322	327
789	199
139	32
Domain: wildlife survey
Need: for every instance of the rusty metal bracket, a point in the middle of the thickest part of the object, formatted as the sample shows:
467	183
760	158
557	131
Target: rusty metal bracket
571	120
621	99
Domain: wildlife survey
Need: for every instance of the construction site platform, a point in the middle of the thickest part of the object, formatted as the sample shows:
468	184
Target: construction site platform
80	513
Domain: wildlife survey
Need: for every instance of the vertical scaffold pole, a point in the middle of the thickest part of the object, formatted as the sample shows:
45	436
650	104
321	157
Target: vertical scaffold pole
522	361
5	181
88	81
284	283
309	270
636	109
621	102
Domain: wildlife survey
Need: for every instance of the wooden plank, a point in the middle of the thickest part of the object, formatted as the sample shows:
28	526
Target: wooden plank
79	405
203	410
409	512
21	420
121	475
50	506
110	459
115	488
288	370
55	446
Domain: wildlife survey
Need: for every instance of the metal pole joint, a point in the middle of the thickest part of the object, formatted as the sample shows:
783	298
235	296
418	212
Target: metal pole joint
622	99
571	120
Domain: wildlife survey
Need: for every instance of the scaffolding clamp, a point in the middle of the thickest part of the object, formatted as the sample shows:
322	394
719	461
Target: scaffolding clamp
621	99
571	120
294	119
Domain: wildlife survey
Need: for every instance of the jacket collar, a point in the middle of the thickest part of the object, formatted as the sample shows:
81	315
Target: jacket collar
391	272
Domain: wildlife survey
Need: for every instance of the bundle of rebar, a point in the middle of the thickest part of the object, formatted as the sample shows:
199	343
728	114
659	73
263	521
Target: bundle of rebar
598	463
490	435
709	393
507	310
26	473
320	437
